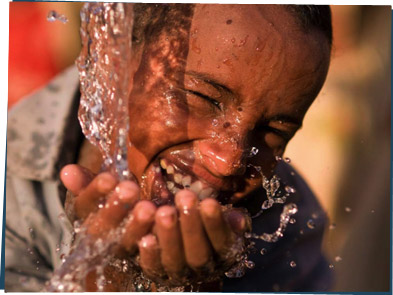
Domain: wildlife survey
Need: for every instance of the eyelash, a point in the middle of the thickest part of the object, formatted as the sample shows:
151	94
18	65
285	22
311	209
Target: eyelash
207	98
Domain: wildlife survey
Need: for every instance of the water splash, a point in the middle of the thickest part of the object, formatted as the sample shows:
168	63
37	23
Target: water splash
288	211
54	16
104	70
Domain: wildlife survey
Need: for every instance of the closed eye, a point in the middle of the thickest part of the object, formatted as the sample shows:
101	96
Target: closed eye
205	97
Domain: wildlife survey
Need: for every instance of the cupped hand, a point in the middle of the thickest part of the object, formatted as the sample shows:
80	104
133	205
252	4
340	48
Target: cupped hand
178	245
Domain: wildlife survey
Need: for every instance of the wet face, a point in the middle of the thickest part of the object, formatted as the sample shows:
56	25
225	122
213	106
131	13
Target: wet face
231	79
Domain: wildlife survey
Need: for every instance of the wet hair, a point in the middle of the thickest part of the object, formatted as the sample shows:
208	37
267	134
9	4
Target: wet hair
308	16
314	16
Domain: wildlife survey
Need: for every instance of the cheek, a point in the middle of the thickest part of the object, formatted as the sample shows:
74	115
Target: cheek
156	123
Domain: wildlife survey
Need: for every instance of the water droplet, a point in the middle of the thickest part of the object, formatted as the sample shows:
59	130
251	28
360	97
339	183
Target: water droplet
348	209
290	189
293	173
61	216
372	211
332	226
263	251
62	257
100	206
338	258
250	264
287	160
248	235
229	21
301	232
311	223
278	158
292	264
331	266
31	231
54	16
292	220
253	152
215	122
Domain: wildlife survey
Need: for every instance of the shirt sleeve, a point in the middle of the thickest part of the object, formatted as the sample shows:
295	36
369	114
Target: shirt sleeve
36	235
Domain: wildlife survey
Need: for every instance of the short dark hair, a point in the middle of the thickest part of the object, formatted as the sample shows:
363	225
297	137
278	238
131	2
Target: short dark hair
314	16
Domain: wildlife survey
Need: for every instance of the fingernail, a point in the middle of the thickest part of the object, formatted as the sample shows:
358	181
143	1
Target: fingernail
145	211
167	219
186	200
127	191
209	207
148	241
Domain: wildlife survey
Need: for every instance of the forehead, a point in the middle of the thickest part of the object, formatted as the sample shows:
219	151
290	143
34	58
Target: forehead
258	45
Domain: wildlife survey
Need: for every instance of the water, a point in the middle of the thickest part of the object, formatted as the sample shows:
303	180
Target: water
55	16
285	217
311	224
104	66
104	63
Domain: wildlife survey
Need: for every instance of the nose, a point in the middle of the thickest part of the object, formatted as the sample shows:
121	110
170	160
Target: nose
222	157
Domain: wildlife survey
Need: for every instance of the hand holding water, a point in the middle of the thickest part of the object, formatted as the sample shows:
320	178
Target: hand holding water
175	243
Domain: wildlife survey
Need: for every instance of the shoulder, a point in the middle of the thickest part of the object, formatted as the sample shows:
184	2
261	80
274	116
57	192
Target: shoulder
35	127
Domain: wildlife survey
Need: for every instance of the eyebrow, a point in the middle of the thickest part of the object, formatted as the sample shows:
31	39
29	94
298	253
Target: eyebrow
207	79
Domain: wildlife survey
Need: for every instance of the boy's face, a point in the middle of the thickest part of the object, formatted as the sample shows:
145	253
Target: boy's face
230	78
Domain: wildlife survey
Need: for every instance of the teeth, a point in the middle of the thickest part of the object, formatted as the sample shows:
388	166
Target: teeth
163	163
186	181
170	169
205	193
178	178
196	187
175	190
170	185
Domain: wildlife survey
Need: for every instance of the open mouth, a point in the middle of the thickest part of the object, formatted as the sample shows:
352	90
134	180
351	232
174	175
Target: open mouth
172	173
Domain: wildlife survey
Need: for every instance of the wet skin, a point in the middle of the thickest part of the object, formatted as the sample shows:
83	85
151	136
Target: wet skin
247	78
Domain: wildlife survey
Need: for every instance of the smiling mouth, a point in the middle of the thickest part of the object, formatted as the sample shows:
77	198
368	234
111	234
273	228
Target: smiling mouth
170	179
172	173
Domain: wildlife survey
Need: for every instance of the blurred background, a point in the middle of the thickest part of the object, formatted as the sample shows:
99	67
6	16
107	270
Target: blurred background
343	150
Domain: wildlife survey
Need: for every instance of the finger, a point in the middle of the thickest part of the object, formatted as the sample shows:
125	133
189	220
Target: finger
196	245
94	194
118	205
150	256
138	225
75	177
169	237
220	234
238	221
